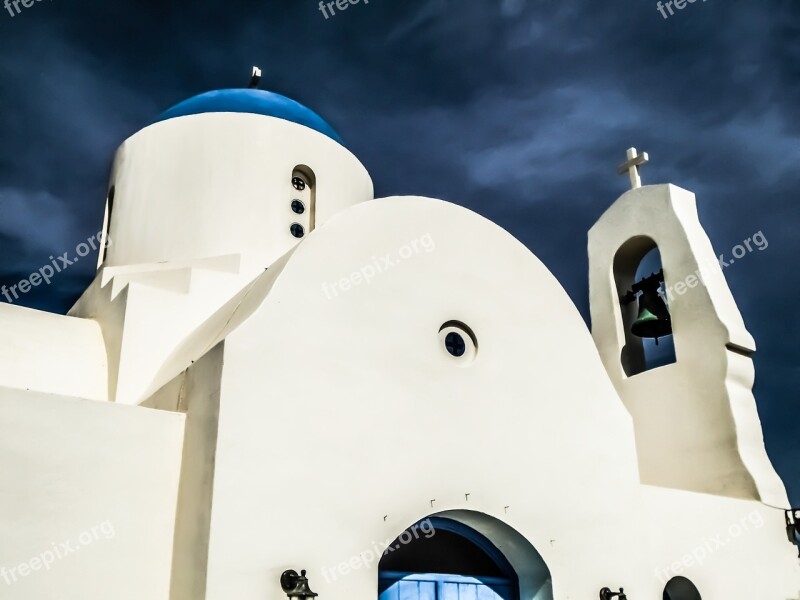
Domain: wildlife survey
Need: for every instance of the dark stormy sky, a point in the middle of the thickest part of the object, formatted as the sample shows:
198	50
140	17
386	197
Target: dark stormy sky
517	109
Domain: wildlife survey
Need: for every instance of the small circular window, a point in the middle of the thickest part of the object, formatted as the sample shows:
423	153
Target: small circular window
458	342
298	183
455	344
298	207
297	230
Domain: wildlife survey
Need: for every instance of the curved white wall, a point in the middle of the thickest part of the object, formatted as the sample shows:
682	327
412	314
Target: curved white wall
342	416
220	183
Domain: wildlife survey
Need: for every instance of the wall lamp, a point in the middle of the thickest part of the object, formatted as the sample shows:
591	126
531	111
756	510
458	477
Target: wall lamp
607	594
296	586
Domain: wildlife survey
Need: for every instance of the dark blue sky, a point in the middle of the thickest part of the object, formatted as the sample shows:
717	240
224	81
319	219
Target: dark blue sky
519	110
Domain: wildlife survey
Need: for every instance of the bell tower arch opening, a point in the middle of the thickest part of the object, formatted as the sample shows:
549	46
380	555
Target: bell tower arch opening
644	307
461	555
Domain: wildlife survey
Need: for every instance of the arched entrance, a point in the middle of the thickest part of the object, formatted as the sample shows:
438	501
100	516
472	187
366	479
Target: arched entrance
461	555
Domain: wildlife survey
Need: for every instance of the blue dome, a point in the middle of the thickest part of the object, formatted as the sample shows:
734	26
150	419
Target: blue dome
258	102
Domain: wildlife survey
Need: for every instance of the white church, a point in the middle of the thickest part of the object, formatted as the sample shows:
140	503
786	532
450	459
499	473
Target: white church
274	371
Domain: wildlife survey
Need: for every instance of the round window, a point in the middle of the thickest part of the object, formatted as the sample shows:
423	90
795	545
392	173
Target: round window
458	342
455	344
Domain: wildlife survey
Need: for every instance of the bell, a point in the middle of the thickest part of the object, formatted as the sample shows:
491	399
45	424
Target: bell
653	320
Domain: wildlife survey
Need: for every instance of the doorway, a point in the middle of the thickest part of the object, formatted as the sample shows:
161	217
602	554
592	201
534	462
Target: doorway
452	561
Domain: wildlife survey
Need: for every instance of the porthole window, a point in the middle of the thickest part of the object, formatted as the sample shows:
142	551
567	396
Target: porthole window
458	342
302	197
455	344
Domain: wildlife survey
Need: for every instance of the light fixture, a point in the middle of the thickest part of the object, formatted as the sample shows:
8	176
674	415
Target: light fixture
607	594
296	586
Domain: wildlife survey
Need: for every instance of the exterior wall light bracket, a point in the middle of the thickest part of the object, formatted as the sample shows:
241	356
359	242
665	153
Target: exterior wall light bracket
296	586
607	594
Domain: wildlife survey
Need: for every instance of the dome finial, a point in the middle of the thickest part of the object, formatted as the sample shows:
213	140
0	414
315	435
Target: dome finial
255	79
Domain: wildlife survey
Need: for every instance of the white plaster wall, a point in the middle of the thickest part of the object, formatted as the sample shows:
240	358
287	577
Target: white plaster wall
159	317
96	304
72	466
220	183
147	310
199	397
52	353
729	548
342	418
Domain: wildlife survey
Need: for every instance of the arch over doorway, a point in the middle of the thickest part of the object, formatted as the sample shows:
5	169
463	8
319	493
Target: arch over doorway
462	554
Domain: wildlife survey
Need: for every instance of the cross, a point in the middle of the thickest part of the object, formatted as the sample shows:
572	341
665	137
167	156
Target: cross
631	166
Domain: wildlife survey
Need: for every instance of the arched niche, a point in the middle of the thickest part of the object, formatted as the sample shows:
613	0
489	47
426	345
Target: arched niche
636	259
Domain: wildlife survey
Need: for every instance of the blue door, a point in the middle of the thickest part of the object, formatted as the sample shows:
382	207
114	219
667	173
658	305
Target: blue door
434	586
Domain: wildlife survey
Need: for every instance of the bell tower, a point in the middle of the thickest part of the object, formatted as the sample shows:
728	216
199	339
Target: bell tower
696	421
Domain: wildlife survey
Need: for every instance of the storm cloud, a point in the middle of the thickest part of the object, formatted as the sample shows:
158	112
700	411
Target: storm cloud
519	110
